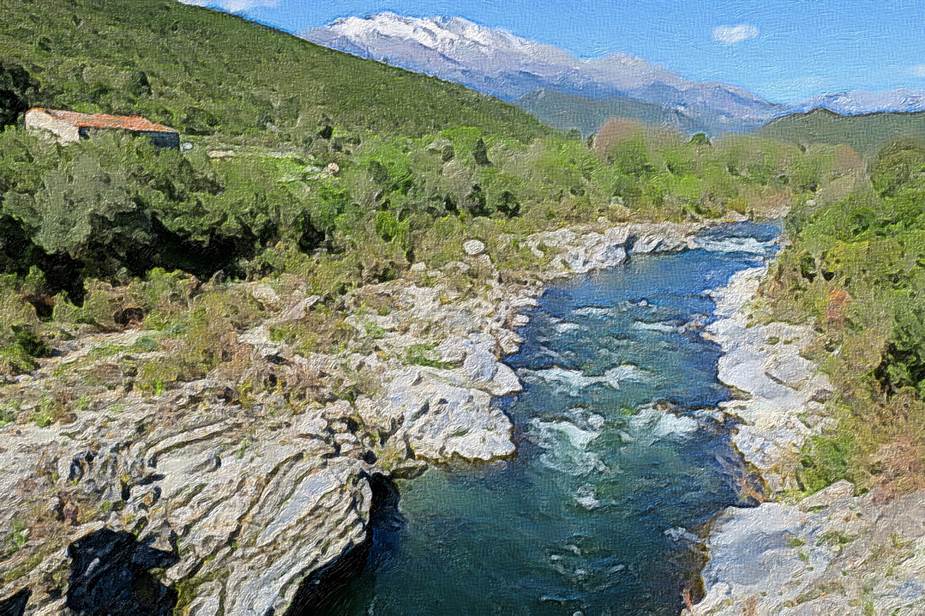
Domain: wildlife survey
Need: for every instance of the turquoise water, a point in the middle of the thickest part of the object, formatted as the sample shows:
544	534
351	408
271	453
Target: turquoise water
620	459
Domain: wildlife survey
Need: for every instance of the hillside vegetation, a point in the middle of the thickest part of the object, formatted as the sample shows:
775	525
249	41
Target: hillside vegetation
307	168
856	269
205	72
864	133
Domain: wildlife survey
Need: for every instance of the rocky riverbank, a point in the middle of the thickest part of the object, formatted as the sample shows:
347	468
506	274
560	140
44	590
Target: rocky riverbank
210	499
830	553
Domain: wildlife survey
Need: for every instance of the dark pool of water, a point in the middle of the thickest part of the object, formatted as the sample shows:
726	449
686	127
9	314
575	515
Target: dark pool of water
620	461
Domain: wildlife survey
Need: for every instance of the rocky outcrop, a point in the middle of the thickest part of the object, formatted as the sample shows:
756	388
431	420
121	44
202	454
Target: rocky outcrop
219	498
246	504
579	253
785	392
831	553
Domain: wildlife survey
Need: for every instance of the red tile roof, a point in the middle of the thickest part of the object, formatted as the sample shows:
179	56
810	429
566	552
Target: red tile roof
102	120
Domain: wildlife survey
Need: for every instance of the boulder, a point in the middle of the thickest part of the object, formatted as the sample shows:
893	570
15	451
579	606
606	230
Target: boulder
474	248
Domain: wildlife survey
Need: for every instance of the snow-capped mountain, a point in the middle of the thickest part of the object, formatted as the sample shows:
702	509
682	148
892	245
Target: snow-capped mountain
502	64
860	102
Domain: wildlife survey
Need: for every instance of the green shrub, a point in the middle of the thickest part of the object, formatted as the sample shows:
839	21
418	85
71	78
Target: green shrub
825	460
423	355
322	330
903	362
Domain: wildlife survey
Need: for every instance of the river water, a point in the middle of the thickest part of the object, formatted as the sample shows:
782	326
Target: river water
621	458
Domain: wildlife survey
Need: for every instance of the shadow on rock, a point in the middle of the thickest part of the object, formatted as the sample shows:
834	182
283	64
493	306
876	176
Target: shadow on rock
326	590
15	605
110	575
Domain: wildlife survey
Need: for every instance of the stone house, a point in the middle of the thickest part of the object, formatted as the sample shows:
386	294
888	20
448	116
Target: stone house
71	126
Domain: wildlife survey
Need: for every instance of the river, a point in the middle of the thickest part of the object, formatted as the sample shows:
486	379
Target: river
621	458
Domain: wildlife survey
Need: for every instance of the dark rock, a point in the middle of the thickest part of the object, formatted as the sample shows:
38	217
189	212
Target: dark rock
323	590
79	465
16	604
110	576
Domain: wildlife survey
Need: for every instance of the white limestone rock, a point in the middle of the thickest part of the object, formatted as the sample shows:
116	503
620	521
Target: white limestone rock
473	248
834	553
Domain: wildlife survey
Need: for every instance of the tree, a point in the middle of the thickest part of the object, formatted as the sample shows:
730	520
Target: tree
475	202
17	91
87	213
508	204
480	153
700	139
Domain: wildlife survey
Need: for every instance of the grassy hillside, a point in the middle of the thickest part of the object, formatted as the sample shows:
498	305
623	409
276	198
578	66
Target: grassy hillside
865	133
567	112
207	72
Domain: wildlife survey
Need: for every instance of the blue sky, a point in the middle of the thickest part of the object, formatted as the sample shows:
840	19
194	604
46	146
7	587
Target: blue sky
785	50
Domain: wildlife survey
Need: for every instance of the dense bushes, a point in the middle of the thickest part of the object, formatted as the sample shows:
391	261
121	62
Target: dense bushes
103	208
114	207
857	266
347	210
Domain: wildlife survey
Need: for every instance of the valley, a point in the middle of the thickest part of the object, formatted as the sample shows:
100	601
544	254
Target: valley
420	316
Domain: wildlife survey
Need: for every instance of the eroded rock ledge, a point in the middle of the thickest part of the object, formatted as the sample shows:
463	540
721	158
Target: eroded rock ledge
219	502
831	553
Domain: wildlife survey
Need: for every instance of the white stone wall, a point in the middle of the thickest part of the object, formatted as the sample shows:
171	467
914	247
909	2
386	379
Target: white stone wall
37	119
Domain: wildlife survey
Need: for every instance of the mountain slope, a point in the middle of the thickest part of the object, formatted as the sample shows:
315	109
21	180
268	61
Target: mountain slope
508	66
204	71
865	133
568	111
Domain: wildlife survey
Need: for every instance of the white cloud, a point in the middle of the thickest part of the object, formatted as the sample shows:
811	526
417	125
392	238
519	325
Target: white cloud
232	6
730	35
919	70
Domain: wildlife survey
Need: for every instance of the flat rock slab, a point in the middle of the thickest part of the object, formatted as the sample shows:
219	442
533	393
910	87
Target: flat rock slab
833	554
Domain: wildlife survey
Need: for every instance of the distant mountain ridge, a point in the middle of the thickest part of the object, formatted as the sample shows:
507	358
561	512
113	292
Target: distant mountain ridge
860	102
510	67
865	133
541	78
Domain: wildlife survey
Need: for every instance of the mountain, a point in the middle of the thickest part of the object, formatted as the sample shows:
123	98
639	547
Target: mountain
208	72
865	133
502	64
569	111
860	102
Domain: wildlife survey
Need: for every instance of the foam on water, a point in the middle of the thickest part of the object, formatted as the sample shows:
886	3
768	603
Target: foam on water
575	437
655	327
586	497
625	373
573	382
585	418
566	445
562	380
557	356
748	245
654	423
593	312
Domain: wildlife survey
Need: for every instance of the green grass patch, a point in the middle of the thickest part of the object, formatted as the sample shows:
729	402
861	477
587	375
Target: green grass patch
424	355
